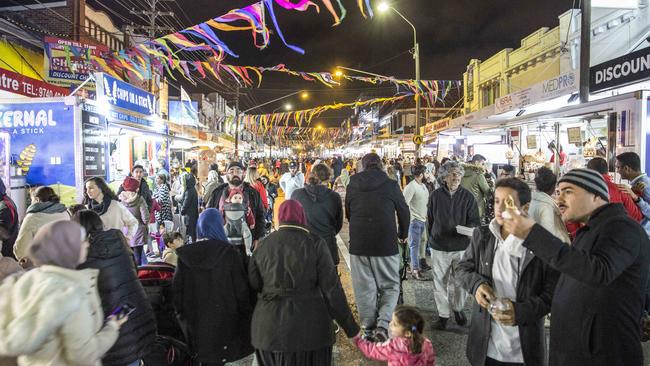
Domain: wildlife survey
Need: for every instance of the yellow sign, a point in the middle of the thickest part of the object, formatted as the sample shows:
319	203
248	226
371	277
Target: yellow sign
437	126
417	139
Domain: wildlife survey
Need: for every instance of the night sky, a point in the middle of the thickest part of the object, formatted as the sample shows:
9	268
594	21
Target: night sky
450	32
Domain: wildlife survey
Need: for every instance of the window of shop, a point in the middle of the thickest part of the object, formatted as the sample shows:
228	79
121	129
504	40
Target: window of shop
490	93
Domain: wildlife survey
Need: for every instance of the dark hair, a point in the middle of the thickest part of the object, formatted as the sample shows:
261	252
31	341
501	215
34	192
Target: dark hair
319	173
522	189
478	157
101	184
46	194
409	318
76	208
214	166
168	238
545	180
508	168
630	160
444	160
371	161
598	164
89	220
419	169
136	167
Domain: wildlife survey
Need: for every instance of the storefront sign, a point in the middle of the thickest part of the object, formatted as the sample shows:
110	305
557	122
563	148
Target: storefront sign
23	85
42	141
621	71
548	89
123	95
69	61
531	142
95	137
437	126
513	101
558	86
575	135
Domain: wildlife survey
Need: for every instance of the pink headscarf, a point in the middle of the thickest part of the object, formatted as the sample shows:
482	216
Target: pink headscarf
291	212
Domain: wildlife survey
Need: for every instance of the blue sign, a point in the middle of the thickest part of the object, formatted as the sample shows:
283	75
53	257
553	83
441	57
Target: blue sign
184	112
124	95
42	141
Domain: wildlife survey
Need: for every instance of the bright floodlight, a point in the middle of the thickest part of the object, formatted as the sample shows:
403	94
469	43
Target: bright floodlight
304	95
287	107
338	73
383	7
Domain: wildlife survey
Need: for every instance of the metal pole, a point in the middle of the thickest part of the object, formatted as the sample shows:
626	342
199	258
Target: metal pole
418	96
585	49
237	123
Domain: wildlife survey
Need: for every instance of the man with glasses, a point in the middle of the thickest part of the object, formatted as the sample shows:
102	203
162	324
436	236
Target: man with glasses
449	206
235	180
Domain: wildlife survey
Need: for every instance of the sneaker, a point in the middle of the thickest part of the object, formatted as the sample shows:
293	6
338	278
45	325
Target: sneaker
460	318
424	266
440	323
417	275
367	334
381	335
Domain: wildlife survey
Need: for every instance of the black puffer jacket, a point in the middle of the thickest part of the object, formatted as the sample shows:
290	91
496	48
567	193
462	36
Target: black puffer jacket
445	212
118	285
371	202
324	212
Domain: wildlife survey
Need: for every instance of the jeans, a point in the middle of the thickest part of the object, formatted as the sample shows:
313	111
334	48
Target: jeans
416	230
135	363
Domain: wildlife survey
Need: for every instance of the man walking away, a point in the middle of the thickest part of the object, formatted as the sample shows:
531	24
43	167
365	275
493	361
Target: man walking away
599	297
371	202
416	195
449	206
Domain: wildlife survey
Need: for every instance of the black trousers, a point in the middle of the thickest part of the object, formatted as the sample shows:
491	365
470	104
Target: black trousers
321	357
493	362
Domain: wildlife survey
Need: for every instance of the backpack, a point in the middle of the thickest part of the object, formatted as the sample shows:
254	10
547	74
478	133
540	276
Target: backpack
234	218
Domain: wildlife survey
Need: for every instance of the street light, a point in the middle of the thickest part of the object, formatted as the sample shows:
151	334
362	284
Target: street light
288	107
304	95
382	8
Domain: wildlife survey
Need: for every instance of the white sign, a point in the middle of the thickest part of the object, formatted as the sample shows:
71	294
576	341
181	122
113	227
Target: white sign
546	90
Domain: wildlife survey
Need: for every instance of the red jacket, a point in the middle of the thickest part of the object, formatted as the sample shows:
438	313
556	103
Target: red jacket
616	196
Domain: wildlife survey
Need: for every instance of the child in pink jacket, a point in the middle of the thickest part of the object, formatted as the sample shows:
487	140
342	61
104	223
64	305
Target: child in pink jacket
407	346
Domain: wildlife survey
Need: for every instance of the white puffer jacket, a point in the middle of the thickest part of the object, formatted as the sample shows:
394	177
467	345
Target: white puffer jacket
52	316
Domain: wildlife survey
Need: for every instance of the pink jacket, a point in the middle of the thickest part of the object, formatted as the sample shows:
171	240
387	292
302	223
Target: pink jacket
396	352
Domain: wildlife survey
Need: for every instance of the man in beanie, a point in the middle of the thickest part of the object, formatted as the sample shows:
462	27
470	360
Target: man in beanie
371	202
292	180
598	301
235	180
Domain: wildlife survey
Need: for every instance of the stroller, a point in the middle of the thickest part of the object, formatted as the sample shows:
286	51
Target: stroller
168	348
405	256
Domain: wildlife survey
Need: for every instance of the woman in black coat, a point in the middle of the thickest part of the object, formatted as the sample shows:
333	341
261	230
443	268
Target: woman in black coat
118	285
190	205
211	294
299	294
323	208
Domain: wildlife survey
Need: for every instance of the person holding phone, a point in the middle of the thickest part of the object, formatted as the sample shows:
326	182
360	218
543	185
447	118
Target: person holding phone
52	314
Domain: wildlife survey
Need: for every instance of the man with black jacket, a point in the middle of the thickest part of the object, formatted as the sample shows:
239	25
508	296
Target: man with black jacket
491	269
449	206
598	301
234	175
371	202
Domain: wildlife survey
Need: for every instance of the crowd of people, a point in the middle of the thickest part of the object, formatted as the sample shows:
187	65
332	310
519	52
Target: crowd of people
254	255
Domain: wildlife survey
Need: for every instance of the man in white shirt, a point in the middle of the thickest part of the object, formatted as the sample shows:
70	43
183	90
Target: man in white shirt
292	180
496	266
416	195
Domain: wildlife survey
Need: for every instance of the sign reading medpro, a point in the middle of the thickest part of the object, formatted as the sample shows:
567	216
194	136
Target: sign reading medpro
42	141
620	71
124	95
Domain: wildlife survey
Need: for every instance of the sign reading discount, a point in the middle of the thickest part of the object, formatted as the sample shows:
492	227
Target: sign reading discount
124	95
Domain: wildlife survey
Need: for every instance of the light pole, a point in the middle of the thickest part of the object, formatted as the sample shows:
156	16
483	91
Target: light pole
384	7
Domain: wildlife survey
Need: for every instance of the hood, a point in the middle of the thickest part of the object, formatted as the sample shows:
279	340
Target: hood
204	254
105	244
471	170
190	181
370	180
46	207
315	192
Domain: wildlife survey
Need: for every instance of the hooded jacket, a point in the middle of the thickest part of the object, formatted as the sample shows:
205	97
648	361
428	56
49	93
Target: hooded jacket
8	222
324	212
137	207
212	298
190	204
445	212
118	284
53	316
371	202
38	214
475	182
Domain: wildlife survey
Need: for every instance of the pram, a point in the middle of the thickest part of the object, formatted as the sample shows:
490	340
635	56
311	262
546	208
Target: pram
405	262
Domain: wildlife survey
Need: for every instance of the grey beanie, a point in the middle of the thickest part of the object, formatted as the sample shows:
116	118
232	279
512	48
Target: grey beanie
589	180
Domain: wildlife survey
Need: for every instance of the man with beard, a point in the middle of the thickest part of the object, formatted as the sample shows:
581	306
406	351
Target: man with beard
234	177
599	297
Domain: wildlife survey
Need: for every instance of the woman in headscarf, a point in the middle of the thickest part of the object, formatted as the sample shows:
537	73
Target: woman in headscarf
118	284
299	294
343	180
162	196
46	207
190	205
101	199
52	315
211	294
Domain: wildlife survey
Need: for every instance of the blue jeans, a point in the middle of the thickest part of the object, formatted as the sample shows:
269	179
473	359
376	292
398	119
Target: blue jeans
416	229
135	363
